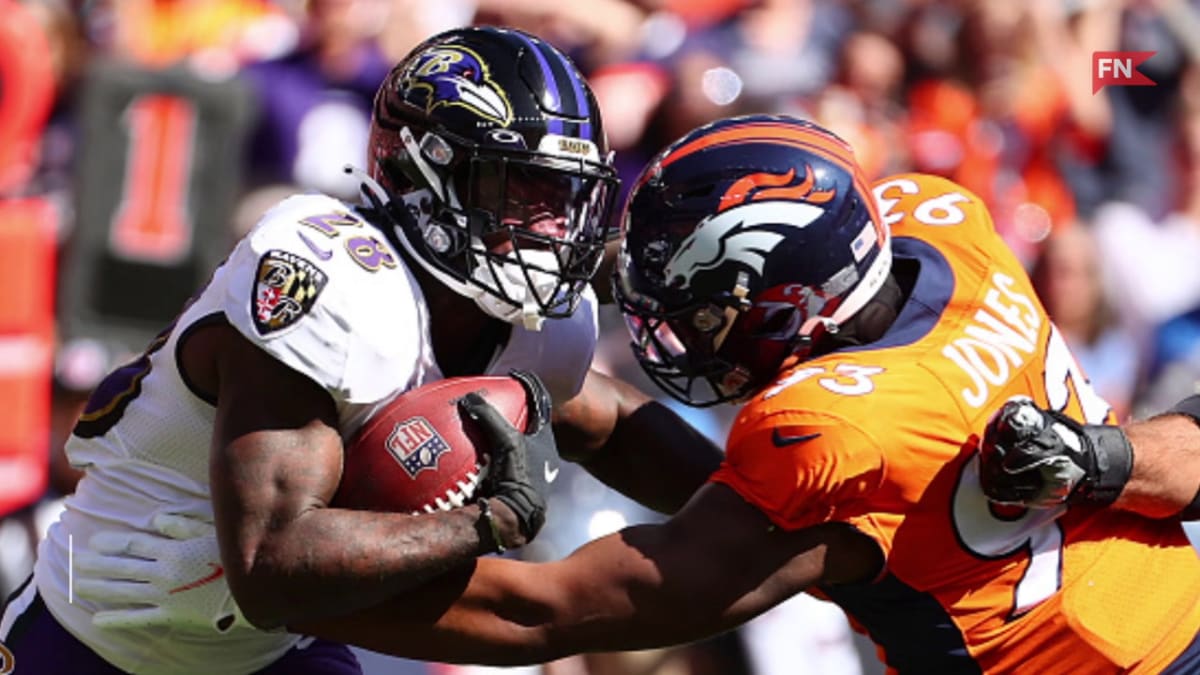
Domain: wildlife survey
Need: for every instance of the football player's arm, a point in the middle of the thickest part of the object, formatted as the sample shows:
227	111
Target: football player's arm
1038	457
1165	480
634	444
713	566
275	463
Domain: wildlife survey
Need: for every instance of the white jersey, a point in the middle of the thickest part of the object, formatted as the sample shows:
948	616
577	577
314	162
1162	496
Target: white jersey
322	291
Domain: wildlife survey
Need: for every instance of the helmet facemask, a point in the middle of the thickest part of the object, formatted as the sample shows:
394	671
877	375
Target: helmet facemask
518	231
723	351
730	346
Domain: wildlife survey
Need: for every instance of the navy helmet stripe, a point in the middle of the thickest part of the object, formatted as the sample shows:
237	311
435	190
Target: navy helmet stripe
582	109
554	125
574	102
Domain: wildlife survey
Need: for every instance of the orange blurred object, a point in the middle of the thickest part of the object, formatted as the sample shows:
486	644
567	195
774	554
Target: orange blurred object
26	349
949	136
26	93
159	33
697	13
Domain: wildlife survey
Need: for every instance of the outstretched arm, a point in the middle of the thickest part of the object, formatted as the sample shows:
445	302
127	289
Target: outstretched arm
1165	480
713	566
634	444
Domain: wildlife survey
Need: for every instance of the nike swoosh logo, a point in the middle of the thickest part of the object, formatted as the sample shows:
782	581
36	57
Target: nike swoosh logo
551	474
322	253
782	441
217	573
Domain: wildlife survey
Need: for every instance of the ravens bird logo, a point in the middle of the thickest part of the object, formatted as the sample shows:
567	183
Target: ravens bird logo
456	75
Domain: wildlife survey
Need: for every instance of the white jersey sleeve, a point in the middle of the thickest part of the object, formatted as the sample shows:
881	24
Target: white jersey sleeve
320	289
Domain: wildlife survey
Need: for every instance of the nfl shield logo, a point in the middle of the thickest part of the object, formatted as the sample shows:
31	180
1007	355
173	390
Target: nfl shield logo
416	445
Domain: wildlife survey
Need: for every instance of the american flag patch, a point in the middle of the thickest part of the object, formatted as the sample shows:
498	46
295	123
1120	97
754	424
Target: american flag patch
862	244
416	445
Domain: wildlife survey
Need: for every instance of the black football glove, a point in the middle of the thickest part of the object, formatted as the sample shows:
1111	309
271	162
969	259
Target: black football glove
521	465
1042	458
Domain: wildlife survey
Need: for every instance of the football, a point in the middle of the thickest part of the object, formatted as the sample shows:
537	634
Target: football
419	453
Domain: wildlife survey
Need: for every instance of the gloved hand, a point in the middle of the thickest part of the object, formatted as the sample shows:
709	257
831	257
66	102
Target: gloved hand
521	466
172	579
1042	458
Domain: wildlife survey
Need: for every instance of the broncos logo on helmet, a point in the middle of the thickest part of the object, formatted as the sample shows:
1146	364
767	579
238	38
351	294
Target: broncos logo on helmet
456	75
728	237
746	226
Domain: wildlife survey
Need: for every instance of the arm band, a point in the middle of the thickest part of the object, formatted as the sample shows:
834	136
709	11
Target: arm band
1112	458
1190	406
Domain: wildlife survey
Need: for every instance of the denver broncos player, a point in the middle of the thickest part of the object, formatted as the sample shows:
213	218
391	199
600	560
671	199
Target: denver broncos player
869	332
485	217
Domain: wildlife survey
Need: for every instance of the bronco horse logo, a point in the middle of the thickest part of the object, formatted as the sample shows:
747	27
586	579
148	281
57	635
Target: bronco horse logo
745	227
456	75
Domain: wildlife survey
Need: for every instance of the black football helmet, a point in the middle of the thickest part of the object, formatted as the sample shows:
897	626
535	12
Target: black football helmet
745	240
488	153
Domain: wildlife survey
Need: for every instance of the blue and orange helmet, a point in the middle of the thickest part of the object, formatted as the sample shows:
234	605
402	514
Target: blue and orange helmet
745	241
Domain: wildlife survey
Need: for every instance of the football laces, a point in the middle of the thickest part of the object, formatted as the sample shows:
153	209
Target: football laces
456	496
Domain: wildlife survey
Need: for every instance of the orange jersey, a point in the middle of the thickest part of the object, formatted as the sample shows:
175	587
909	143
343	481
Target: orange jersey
884	437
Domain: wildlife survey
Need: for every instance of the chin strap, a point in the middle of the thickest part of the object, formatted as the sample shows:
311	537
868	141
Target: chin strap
372	192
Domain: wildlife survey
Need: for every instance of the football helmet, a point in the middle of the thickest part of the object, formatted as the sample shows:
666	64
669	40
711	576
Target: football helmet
745	241
488	156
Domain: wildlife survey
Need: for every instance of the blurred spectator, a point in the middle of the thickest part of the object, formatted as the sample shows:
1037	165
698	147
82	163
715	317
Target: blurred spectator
1140	161
314	103
1151	265
1005	105
862	105
25	97
215	35
787	48
1067	279
598	31
52	176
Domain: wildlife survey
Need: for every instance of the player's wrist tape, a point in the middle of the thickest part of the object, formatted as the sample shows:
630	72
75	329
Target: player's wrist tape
1112	458
487	522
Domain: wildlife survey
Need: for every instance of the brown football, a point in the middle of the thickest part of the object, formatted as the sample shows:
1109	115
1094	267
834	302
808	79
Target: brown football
419	453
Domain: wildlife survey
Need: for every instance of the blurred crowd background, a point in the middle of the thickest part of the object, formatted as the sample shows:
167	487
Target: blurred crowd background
140	138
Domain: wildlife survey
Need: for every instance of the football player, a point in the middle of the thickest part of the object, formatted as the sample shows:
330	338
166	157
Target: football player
485	214
868	332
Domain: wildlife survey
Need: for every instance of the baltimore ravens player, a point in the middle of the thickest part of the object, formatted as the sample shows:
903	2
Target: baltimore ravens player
485	216
869	333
